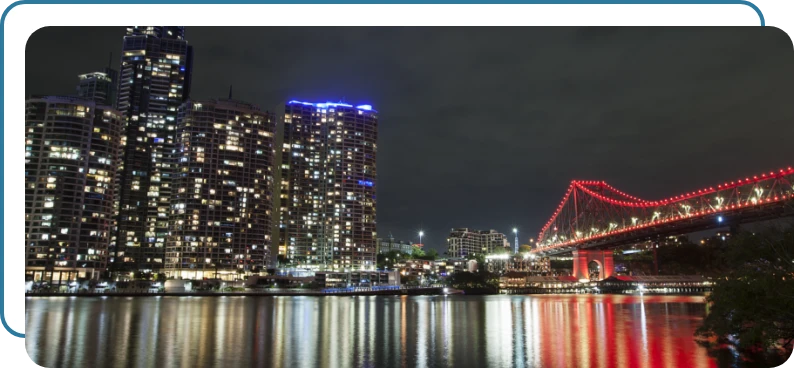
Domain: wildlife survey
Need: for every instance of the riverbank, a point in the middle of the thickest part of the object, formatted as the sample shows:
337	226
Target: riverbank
263	292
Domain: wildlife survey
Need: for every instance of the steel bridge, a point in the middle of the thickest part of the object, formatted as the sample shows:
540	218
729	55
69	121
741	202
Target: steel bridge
595	215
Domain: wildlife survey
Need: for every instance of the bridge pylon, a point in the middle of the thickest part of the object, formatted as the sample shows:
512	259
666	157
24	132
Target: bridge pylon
582	259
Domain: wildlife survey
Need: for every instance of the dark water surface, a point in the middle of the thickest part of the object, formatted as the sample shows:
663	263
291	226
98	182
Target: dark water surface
370	331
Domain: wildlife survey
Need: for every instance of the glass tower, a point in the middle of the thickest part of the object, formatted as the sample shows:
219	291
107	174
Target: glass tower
222	191
99	86
328	183
72	149
154	81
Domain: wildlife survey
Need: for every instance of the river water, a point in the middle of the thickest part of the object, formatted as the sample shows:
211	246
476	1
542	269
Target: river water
368	331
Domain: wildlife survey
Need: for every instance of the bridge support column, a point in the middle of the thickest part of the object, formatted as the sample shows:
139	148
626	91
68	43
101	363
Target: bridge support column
582	259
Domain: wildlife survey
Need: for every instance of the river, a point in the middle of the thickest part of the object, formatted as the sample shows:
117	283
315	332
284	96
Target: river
369	331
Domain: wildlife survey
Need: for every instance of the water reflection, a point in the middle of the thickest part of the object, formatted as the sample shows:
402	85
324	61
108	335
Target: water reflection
493	331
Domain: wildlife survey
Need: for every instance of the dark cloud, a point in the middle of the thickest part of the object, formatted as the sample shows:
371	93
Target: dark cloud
485	127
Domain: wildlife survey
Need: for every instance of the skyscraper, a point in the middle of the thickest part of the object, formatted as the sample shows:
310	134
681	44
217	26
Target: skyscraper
222	190
328	184
72	149
99	86
156	66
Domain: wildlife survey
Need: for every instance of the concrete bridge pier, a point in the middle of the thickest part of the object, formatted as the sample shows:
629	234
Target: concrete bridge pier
582	259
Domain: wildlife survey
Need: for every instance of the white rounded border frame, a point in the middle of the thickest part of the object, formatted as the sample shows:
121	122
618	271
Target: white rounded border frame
22	19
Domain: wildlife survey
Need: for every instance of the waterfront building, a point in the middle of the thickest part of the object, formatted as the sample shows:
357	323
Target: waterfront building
416	267
72	149
156	64
464	242
100	86
336	279
221	206
328	180
390	244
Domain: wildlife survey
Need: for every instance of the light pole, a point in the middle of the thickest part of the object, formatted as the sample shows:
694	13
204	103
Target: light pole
421	233
515	231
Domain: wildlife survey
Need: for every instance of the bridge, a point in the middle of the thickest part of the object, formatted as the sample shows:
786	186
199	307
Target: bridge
594	216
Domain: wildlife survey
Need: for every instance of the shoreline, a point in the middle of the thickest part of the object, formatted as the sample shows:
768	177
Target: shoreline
321	294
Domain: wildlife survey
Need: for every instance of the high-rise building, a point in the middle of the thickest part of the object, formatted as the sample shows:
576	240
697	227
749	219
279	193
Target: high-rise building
72	149
328	182
99	86
156	66
221	205
464	242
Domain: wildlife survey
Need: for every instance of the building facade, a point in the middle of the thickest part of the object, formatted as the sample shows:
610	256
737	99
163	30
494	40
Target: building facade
328	174
332	279
221	204
389	244
156	66
72	149
464	242
100	86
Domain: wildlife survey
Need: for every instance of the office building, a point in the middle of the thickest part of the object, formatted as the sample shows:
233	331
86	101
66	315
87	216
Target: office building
99	87
221	203
72	149
155	75
327	188
464	242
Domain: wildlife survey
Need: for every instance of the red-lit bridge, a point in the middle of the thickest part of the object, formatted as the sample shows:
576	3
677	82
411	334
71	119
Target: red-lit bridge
595	215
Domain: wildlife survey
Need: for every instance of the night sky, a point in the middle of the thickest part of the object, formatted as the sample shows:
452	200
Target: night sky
485	127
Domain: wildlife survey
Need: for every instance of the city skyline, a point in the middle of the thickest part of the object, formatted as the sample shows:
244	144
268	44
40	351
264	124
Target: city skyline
515	106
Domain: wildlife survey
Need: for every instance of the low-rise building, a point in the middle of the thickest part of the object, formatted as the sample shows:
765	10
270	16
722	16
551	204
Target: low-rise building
389	244
416	267
331	279
464	242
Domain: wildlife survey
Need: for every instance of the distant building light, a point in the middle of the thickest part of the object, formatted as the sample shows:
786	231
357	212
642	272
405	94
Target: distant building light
365	182
719	219
364	107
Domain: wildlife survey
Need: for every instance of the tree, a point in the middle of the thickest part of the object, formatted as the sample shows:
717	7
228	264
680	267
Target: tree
417	252
470	280
387	260
430	255
500	250
282	259
524	249
754	301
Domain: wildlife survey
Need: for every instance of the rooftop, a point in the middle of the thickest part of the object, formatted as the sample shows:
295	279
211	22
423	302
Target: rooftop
331	104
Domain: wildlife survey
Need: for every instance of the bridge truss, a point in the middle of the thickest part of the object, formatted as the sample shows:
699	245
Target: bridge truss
593	214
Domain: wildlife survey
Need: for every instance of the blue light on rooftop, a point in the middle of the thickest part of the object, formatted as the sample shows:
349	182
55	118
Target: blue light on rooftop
325	105
332	104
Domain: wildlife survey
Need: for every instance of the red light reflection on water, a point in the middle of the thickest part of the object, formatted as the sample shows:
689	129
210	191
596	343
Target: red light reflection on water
618	330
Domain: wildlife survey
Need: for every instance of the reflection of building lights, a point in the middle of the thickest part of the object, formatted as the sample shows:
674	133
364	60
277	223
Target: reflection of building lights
498	256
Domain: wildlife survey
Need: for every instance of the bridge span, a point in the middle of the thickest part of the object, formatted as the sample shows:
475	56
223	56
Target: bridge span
593	216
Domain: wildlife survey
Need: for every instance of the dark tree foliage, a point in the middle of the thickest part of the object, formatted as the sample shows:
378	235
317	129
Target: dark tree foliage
386	261
474	280
753	302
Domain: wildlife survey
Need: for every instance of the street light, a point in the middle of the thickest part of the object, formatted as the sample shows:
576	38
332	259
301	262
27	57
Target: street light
420	236
515	231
